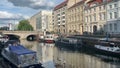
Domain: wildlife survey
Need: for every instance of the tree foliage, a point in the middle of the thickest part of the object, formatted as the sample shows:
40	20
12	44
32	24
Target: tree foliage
25	26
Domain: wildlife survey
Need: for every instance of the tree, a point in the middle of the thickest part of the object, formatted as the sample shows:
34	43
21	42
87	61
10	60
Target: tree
24	26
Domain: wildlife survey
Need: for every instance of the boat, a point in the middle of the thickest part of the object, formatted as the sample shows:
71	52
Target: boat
108	48
69	42
48	38
20	56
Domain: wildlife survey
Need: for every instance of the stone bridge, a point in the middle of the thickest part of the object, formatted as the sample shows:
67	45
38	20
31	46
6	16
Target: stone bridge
22	34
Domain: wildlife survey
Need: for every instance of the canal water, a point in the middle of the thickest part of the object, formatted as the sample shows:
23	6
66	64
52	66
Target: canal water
52	56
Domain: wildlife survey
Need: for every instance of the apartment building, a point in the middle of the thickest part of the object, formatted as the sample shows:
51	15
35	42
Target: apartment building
94	16
59	18
42	21
113	17
75	17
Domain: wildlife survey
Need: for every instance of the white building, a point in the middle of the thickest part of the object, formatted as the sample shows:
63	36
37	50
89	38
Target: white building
113	17
42	21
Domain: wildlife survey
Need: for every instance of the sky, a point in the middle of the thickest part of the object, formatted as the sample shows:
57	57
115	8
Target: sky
11	10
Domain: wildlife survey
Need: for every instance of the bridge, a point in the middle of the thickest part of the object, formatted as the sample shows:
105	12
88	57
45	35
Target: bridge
22	34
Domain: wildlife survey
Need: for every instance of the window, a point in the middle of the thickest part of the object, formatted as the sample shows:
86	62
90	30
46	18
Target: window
90	10
63	17
90	18
110	27
110	15
100	8
90	28
58	14
94	17
115	5
59	30
85	19
100	16
94	9
64	30
63	21
100	27
110	6
115	14
115	26
104	7
58	18
104	16
63	25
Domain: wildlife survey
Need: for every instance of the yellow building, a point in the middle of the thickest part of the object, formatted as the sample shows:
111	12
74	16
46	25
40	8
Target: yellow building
32	21
75	17
95	16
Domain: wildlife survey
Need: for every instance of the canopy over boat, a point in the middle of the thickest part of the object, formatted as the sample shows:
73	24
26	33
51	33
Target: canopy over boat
20	50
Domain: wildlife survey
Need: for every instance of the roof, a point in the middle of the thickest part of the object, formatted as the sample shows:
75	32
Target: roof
20	50
61	5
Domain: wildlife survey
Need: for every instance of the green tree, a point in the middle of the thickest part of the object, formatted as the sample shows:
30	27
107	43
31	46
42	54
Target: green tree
24	26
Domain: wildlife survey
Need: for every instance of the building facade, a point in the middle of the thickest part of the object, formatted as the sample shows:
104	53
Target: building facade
94	16
75	18
113	17
42	21
59	18
32	21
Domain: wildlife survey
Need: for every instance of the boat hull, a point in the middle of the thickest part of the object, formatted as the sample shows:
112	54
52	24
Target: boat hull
49	41
46	41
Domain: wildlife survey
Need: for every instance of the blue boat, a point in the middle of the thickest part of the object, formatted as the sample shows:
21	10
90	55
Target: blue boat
20	56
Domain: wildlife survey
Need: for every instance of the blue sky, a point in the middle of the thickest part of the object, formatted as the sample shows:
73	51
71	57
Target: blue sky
24	8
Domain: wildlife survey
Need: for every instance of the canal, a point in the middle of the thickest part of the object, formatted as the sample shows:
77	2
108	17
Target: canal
52	56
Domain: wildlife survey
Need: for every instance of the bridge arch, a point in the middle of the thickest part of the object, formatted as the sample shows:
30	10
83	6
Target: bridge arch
13	37
31	37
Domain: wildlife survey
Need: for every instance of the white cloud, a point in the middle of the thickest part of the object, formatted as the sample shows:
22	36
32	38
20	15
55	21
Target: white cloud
6	18
4	15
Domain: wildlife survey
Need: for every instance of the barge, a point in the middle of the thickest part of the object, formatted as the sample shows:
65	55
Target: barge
69	42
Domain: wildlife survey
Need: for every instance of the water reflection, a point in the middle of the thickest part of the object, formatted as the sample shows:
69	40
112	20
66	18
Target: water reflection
45	54
61	57
83	59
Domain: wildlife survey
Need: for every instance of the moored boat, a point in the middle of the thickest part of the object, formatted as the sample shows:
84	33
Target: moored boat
20	56
48	38
108	48
69	42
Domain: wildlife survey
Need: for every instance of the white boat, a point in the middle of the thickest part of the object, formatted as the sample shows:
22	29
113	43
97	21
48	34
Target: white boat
48	38
20	56
108	48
